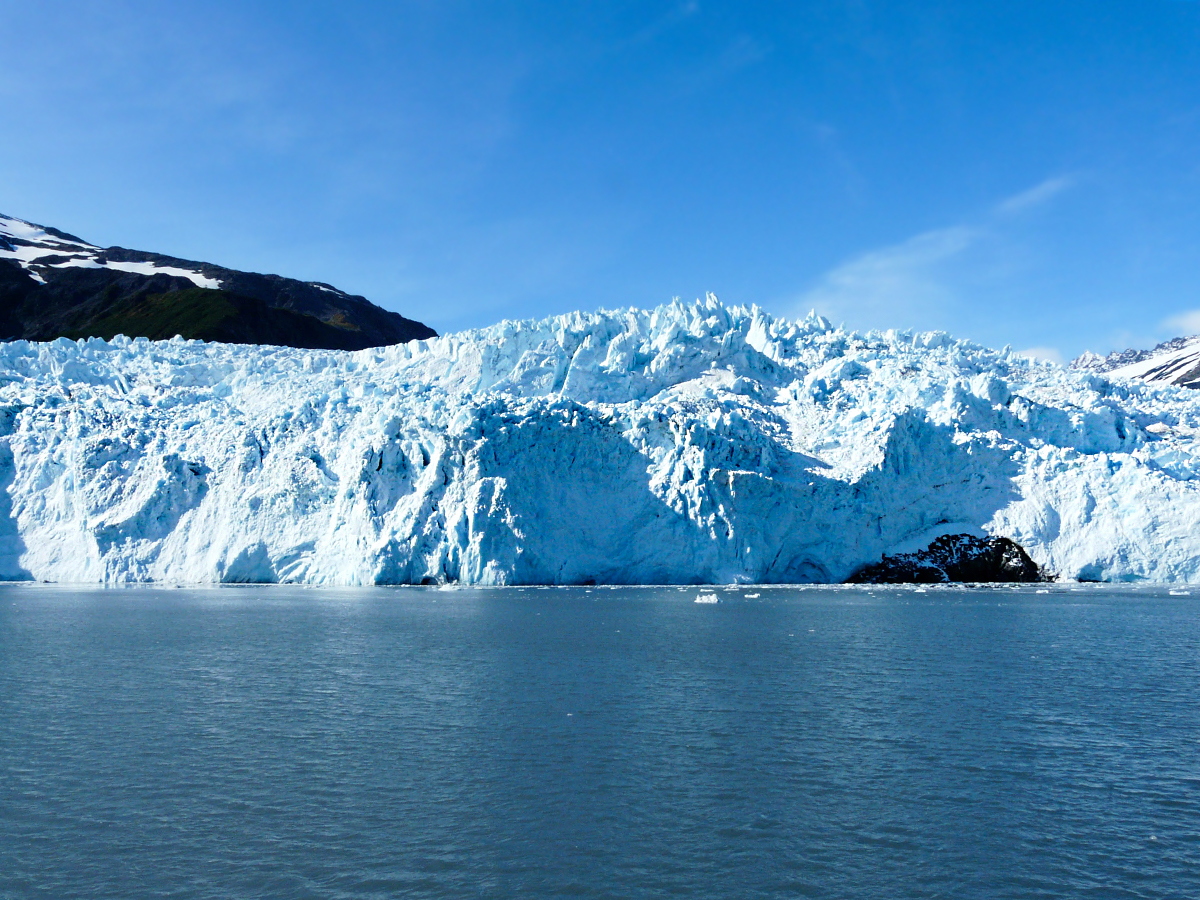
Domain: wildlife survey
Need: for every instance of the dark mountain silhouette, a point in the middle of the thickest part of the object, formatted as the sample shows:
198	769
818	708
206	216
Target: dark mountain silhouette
53	284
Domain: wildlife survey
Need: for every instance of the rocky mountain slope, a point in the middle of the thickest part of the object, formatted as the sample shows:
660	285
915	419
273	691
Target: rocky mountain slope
690	443
1176	361
53	284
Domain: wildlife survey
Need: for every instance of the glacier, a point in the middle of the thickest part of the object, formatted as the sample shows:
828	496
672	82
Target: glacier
692	443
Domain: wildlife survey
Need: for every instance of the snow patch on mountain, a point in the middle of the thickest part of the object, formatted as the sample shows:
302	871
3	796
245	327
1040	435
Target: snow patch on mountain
1176	361
35	247
690	443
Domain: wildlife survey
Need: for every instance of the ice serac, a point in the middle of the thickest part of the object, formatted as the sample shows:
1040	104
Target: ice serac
689	443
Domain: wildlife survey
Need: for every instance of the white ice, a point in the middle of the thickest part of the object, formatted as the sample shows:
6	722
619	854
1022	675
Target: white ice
692	443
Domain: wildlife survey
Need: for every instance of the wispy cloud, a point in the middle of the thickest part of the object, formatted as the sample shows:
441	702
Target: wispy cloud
928	280
1038	195
830	139
1186	323
1050	354
681	12
744	51
872	288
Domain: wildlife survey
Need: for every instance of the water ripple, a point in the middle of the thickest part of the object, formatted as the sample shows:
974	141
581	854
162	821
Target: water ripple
804	743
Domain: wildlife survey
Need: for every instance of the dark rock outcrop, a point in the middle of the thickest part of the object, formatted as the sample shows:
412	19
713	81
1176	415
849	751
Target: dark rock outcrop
65	287
955	558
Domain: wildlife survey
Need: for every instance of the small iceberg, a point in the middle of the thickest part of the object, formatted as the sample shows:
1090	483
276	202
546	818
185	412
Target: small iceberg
707	598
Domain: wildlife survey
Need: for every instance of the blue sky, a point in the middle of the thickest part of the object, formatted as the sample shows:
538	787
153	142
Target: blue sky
1023	173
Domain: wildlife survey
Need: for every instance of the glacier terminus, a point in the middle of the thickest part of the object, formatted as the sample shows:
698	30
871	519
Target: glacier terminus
692	443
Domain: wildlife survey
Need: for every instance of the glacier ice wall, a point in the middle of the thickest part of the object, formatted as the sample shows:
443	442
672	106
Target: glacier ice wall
690	443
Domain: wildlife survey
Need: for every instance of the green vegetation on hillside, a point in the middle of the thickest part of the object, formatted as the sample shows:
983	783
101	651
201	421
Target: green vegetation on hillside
194	313
212	315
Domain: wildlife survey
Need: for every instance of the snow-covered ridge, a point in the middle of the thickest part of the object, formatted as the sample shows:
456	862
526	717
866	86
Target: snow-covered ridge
690	443
1176	361
35	248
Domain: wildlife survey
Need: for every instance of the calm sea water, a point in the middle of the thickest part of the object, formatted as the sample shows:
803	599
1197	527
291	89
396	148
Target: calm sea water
279	742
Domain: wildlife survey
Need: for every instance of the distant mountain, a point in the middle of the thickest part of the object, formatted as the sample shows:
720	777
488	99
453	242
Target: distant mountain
53	284
1176	361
